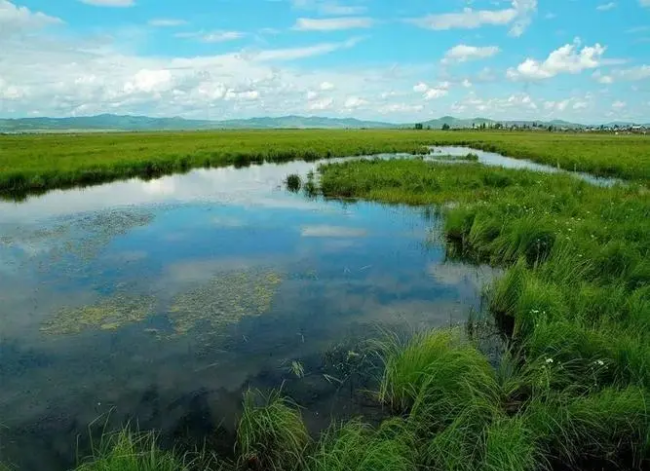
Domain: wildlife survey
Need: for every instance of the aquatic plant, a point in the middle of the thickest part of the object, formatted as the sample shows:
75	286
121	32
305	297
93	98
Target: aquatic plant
294	182
107	314
270	434
225	299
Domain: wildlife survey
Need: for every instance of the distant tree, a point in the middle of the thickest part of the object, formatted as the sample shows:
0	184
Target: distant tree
418	126
550	129
428	127
446	127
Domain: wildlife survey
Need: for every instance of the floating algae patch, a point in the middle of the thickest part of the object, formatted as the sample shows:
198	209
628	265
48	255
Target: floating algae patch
224	300
66	241
110	314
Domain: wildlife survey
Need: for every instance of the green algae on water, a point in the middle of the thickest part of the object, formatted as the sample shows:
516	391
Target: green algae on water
108	314
224	300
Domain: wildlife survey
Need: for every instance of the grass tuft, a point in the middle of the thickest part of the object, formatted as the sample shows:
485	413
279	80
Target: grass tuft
271	434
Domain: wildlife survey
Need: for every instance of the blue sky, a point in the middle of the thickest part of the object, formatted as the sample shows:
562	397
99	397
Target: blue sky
580	60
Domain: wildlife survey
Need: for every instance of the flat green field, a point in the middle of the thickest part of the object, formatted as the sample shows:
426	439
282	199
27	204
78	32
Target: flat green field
46	161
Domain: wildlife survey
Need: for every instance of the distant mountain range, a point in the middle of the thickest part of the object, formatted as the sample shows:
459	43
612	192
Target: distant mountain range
111	122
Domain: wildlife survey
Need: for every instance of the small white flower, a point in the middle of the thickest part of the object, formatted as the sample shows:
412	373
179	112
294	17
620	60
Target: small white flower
549	360
600	362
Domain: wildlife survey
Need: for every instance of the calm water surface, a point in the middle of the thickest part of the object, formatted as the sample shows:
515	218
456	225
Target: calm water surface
161	301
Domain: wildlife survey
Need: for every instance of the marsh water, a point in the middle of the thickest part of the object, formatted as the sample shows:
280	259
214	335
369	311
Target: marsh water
159	302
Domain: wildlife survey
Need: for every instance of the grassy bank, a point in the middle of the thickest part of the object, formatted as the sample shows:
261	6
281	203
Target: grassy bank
575	302
448	409
36	163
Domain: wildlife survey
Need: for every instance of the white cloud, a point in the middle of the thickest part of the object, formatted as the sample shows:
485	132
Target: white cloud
619	105
420	87
604	79
319	105
148	81
221	36
467	83
566	59
328	7
15	19
606	6
435	93
311	95
248	95
166	22
332	24
400	108
326	86
641	72
109	3
580	105
462	53
354	102
518	16
303	52
432	93
645	3
213	36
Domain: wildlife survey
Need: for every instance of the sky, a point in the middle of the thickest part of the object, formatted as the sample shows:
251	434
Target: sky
585	61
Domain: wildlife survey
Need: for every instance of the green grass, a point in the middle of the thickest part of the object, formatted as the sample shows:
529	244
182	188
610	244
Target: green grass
574	300
573	387
356	446
271	434
433	370
134	451
33	163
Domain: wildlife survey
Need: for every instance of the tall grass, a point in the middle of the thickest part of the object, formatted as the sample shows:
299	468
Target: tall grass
271	434
574	301
356	446
436	369
136	451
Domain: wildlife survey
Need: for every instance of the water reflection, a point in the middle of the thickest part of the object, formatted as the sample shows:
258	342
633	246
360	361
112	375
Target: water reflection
161	301
497	160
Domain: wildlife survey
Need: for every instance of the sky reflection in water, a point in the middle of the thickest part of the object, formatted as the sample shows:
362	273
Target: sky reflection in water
191	287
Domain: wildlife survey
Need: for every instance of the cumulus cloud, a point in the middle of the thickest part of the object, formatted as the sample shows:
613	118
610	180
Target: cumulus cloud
354	102
326	86
109	3
15	20
332	24
320	105
420	87
619	105
463	53
566	59
432	92
518	17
